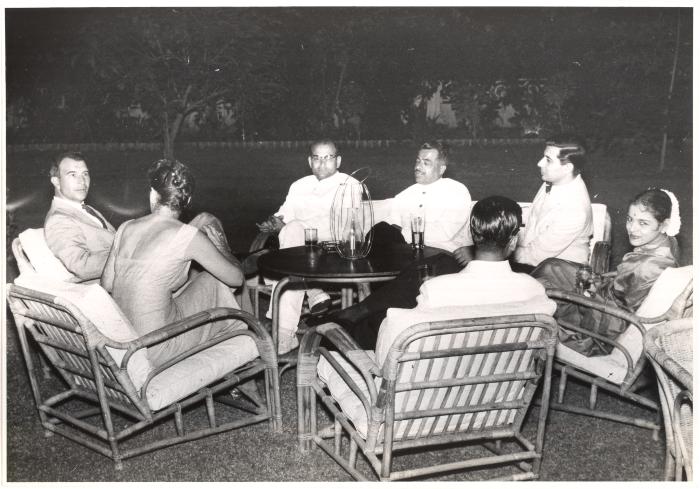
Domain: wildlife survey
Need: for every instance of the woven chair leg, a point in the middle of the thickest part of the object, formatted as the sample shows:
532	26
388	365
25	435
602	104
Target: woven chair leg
670	465
338	431
352	459
593	399
562	385
179	426
45	366
655	433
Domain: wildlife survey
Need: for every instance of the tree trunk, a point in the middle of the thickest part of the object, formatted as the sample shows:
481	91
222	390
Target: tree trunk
170	133
168	149
174	131
664	140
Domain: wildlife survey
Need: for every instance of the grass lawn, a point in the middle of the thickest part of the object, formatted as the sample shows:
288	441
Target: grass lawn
243	187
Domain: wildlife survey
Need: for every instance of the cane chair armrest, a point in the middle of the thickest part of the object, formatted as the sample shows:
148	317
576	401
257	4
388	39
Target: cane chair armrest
604	339
347	345
256	331
633	370
310	351
195	320
606	308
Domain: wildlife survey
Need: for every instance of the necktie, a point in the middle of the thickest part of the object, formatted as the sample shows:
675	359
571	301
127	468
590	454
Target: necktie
94	214
548	187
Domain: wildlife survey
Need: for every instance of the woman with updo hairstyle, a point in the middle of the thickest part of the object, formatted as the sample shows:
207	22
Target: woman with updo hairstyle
653	221
172	182
148	269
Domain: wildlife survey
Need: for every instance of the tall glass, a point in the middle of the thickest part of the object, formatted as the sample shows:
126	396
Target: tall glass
418	231
310	238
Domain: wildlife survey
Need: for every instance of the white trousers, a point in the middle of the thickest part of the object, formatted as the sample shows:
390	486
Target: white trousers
291	301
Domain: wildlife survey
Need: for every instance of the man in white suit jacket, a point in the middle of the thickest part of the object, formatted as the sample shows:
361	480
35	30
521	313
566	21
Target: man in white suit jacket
77	234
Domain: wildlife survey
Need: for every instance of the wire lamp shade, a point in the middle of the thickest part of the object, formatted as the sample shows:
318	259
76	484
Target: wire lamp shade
352	217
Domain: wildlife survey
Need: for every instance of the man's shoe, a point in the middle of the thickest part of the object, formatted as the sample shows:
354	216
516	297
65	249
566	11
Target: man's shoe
319	303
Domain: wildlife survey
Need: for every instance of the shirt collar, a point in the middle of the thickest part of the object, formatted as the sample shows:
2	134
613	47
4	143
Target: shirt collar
326	181
431	184
483	267
564	188
72	203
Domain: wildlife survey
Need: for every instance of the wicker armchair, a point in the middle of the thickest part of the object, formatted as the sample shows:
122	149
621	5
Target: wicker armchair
620	373
108	396
465	381
669	347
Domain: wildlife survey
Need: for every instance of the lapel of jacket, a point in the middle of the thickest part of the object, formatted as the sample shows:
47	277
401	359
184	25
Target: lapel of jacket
58	205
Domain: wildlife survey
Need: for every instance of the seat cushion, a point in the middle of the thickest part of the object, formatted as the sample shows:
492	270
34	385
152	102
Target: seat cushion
100	309
199	370
44	262
349	403
613	367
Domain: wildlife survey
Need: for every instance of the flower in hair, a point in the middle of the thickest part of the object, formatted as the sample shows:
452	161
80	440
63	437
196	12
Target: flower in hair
674	220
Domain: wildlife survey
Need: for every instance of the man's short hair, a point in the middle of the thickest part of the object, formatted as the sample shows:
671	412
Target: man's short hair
572	149
324	142
442	148
494	221
73	155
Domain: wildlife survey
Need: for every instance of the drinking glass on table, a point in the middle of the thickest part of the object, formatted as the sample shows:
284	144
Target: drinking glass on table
310	238
417	231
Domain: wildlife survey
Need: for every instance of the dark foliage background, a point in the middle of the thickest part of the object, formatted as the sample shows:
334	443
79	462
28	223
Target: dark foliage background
292	73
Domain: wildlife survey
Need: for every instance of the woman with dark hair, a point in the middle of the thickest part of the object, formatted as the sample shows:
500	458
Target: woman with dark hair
652	222
147	269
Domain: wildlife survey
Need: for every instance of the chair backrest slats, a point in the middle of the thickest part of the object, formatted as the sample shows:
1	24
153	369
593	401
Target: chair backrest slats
59	332
471	379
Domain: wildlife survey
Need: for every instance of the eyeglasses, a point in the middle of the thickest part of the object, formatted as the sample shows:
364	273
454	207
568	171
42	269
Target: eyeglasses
323	159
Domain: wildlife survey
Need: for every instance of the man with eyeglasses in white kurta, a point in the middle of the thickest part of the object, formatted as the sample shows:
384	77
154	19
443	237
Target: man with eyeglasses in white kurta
307	205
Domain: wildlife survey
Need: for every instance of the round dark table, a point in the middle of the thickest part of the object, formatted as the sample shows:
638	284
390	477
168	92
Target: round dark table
301	265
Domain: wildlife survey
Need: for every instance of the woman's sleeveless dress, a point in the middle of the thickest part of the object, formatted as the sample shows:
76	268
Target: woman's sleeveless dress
154	290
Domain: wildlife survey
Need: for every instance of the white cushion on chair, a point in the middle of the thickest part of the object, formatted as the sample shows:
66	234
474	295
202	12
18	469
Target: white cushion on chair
349	403
613	367
40	256
171	385
98	307
199	370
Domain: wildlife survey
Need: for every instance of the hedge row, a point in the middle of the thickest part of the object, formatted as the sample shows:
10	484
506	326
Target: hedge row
372	143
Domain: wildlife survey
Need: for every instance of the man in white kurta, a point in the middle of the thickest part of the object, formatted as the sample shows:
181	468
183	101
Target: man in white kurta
560	223
307	205
485	287
444	202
